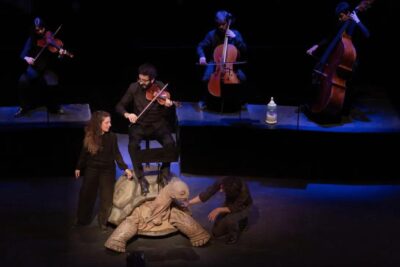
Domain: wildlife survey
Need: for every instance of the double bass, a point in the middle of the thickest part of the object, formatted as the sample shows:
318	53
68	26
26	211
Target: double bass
225	56
334	69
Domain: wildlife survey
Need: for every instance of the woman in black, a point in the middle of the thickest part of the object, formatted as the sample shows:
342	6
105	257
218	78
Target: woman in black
99	153
232	217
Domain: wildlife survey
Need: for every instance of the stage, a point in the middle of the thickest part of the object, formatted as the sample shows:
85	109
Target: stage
41	143
304	214
241	142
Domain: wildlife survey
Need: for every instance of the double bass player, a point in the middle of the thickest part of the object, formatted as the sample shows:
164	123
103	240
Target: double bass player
332	99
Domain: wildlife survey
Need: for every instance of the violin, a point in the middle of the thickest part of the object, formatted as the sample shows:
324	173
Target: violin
54	45
154	92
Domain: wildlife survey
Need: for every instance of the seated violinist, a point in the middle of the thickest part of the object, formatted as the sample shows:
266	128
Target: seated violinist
40	70
153	120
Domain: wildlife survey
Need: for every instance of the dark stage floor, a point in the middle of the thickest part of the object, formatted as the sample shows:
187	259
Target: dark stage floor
313	218
293	223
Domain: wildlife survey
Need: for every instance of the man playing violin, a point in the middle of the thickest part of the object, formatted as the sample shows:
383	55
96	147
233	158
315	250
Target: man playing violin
152	124
40	70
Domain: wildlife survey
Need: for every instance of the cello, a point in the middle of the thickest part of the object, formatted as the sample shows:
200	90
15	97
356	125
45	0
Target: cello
225	56
334	69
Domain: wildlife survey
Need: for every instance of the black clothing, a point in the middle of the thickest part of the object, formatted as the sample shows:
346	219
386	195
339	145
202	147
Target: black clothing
324	46
153	124
232	95
155	115
106	157
215	38
99	174
235	204
94	180
240	205
350	31
41	74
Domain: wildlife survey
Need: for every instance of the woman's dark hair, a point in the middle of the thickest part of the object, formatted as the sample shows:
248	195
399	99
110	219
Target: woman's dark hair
148	70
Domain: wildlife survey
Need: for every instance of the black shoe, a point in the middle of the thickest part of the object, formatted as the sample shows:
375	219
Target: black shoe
202	105
162	181
164	177
244	224
104	228
21	112
144	185
58	110
232	239
79	225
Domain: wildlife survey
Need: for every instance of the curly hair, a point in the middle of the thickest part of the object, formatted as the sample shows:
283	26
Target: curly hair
92	140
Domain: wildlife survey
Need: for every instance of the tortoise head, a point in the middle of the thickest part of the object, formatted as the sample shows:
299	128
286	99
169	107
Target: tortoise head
179	191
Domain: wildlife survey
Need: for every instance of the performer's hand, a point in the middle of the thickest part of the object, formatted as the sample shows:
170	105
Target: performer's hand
77	174
203	61
230	34
186	204
62	51
29	60
131	117
312	49
128	174
354	17
168	102
213	214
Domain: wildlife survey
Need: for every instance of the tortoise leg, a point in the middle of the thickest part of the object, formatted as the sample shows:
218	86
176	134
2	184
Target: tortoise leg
187	225
125	231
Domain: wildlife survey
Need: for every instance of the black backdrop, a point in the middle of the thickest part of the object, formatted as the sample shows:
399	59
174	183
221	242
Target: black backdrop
112	38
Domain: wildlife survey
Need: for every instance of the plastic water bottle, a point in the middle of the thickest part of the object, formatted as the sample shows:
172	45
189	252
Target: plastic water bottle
271	116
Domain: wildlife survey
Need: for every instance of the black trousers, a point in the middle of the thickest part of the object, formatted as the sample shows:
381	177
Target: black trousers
228	223
137	133
100	180
38	88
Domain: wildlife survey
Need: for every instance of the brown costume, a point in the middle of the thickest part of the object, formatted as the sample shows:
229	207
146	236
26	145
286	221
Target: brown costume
154	217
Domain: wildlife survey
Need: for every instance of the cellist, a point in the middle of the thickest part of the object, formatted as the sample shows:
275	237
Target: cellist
215	38
344	15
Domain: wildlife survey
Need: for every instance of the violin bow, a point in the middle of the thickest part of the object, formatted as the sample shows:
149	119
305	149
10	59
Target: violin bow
44	47
215	64
151	102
